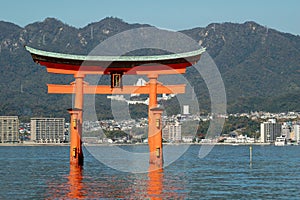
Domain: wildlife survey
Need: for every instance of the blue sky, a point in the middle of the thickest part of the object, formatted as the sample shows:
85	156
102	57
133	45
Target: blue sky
170	14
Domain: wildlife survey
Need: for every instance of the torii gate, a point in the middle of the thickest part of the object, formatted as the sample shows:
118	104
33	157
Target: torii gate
151	66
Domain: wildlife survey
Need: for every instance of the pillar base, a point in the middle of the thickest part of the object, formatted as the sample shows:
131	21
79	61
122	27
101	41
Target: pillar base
78	161
76	155
155	162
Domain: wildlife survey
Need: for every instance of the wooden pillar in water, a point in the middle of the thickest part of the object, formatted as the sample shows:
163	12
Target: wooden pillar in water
154	125
155	138
76	154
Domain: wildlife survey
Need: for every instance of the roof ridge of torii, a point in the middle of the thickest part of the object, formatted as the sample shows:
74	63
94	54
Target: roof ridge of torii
115	58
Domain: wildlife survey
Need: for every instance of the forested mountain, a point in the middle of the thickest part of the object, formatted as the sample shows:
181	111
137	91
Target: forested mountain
259	66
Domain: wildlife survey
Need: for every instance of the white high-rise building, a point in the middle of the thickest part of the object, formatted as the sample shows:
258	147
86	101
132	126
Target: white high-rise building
286	130
186	109
172	131
48	130
297	133
9	129
269	131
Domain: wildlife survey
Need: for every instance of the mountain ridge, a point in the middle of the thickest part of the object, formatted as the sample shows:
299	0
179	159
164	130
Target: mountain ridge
259	65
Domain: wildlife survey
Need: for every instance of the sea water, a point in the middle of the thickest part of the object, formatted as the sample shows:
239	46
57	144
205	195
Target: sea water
43	172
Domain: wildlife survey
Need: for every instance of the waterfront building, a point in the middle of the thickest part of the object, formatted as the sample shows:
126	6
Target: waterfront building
172	131
188	138
9	129
48	130
288	131
297	133
269	131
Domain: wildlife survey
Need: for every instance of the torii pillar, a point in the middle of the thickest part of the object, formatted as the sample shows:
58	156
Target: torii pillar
154	125
76	154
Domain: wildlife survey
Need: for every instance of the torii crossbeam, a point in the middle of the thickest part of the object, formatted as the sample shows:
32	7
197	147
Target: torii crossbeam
116	66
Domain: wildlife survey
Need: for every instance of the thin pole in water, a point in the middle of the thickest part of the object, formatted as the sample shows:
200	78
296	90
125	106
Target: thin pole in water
250	148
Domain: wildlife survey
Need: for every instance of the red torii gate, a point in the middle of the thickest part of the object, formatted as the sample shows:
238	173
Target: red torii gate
116	66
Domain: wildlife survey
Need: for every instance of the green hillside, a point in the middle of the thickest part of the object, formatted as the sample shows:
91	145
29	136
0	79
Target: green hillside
259	66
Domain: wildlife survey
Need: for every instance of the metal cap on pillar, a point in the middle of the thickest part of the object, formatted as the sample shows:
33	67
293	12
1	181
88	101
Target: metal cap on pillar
157	110
74	110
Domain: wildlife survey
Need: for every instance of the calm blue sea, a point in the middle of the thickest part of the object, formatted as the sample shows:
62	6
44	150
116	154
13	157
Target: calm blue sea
35	172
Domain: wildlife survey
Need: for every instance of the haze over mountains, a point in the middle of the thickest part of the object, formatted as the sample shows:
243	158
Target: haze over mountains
260	67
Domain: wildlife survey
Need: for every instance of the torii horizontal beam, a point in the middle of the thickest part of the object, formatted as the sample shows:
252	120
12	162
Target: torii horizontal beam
105	89
56	68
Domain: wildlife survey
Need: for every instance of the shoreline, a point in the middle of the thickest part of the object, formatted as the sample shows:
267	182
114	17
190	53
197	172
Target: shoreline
107	144
33	144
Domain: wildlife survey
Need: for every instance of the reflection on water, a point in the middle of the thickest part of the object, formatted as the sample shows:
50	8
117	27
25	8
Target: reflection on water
155	183
151	185
75	183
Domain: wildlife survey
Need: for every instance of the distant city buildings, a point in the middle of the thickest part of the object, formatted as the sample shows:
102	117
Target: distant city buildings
288	131
239	139
176	128
9	129
48	130
269	131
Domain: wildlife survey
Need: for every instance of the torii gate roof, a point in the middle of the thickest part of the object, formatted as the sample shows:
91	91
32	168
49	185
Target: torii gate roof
71	64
